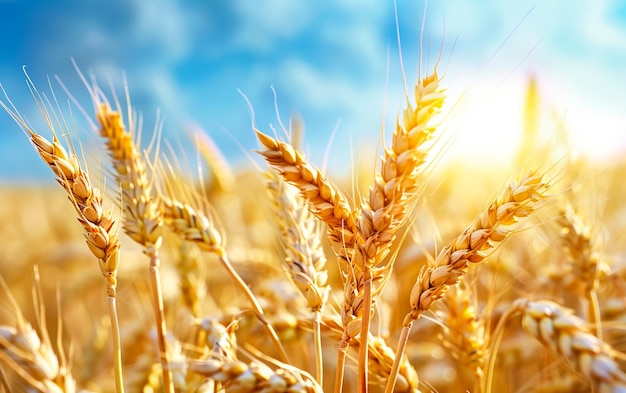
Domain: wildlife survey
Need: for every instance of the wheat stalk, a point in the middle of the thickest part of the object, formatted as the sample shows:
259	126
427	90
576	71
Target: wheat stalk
142	215
381	356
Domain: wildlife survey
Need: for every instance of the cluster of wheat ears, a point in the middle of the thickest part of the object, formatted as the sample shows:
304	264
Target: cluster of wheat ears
469	310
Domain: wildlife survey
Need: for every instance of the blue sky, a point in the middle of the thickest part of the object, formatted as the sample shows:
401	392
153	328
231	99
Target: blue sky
327	61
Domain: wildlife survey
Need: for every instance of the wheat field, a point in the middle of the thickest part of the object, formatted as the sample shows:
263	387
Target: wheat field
415	274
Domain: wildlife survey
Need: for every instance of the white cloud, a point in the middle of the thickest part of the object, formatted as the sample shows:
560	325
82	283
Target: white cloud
261	24
329	58
166	23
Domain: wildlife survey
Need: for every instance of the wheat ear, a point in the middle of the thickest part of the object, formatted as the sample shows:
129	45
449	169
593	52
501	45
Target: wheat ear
464	331
100	229
195	226
584	258
239	377
494	225
566	334
326	202
233	375
142	214
305	259
389	203
330	207
29	353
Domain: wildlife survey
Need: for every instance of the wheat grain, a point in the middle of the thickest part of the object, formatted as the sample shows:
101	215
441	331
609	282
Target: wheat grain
142	219
28	352
191	225
387	207
582	249
326	202
395	187
99	228
491	227
588	267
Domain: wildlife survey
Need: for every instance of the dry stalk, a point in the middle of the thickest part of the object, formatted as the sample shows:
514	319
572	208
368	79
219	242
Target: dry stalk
567	335
142	215
494	225
305	259
381	355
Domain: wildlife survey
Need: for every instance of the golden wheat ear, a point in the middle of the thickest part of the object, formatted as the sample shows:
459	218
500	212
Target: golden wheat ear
494	225
99	227
465	334
326	202
143	216
188	215
238	376
305	259
28	352
566	335
385	210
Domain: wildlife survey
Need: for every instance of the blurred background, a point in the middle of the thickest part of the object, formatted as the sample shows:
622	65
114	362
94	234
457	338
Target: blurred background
332	63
